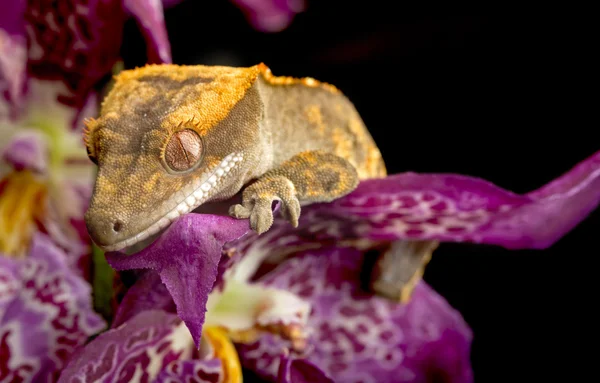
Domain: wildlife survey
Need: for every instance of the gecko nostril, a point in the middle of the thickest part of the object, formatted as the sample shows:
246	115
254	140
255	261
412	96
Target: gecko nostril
117	226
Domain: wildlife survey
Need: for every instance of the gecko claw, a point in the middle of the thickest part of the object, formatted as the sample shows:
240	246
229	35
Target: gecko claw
239	211
291	211
258	199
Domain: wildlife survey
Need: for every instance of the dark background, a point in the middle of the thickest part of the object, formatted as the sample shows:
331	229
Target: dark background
505	95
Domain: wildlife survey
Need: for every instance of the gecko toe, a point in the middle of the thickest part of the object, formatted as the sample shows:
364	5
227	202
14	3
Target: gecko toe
261	217
291	211
239	211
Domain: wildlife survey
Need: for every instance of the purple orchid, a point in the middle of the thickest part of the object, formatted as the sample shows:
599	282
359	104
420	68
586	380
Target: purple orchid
52	56
292	299
46	313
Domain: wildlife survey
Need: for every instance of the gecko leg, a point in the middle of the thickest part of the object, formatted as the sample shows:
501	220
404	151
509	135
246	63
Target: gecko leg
400	267
312	176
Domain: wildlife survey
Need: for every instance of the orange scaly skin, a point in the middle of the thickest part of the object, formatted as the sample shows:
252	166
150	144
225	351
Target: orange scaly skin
171	138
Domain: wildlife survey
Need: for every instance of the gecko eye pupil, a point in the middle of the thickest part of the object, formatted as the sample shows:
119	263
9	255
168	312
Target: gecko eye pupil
183	150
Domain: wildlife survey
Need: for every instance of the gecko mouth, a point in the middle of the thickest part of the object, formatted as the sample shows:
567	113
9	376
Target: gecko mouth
200	194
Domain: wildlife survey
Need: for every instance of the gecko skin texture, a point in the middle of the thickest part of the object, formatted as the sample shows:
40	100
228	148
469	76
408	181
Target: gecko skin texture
170	138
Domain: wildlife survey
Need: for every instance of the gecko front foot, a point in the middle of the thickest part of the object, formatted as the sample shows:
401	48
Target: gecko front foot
258	198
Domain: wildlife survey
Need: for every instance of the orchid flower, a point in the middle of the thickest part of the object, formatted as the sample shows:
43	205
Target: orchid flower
272	15
52	57
292	300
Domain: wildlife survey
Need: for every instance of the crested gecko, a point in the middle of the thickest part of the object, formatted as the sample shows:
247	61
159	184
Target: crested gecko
170	138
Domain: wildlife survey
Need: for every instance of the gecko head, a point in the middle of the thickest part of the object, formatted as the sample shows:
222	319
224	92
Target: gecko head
168	139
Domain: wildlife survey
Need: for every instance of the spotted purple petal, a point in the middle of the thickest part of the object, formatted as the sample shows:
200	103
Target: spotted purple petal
192	371
148	293
135	351
78	42
358	337
270	15
13	51
293	370
45	314
26	150
186	257
457	208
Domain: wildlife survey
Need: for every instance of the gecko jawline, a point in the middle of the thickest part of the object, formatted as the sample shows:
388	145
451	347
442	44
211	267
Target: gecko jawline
188	204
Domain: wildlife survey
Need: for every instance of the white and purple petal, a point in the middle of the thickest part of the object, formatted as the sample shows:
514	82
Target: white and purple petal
46	313
136	351
358	337
78	42
192	371
292	370
26	150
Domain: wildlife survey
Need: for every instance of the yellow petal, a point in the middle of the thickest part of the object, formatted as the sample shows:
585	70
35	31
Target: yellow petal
226	352
22	200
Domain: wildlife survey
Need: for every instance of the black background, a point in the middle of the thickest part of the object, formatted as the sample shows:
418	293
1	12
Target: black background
502	94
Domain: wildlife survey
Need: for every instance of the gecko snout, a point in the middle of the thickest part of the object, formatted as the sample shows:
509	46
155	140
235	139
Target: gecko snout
105	231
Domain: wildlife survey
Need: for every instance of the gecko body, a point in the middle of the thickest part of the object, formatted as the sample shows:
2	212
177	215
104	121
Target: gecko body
170	138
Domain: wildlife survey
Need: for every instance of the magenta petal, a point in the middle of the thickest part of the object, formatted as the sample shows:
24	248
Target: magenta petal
458	208
145	341
192	371
76	42
79	42
27	151
148	293
45	314
186	257
13	49
356	336
300	371
270	15
150	17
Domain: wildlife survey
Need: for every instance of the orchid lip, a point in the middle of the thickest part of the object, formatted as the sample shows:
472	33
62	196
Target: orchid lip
192	201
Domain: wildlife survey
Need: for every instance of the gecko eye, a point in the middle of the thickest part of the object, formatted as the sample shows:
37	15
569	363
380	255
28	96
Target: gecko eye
183	150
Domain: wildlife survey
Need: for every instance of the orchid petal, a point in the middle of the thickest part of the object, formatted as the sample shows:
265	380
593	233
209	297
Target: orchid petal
13	53
300	371
192	371
456	208
27	150
360	337
75	42
150	17
45	315
247	310
79	42
186	257
148	293
270	15
138	350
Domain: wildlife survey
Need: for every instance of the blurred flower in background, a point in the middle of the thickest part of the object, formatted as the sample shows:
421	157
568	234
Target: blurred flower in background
53	56
270	16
